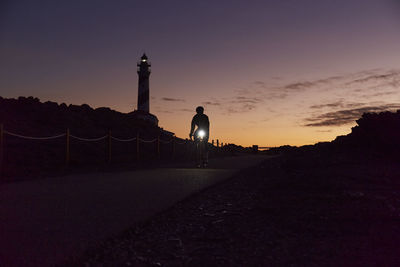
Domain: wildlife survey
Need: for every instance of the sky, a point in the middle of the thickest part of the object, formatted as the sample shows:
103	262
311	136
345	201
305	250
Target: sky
270	72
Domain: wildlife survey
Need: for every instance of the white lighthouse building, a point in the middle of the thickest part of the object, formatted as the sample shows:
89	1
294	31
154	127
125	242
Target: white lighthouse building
143	100
143	71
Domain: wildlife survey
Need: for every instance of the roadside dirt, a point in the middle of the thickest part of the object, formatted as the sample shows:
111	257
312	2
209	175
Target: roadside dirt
288	211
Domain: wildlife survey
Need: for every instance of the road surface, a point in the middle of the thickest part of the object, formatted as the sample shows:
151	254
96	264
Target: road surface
42	222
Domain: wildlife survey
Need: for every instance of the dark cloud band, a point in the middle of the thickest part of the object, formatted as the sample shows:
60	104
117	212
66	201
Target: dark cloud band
347	116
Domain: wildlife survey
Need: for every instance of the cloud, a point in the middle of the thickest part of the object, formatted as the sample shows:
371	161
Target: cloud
173	110
299	86
379	94
277	95
272	90
346	116
240	103
369	80
186	110
246	100
375	84
259	92
165	111
304	85
212	103
350	91
329	105
173	99
260	84
376	77
341	103
240	109
324	131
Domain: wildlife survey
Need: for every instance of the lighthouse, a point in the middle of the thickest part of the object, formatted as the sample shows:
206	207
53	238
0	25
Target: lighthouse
143	99
143	103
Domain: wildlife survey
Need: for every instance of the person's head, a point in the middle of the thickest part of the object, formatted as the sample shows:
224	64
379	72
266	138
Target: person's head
199	110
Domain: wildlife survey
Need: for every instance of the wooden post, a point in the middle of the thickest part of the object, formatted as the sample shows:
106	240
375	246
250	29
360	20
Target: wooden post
109	146
67	156
1	149
158	147
217	143
173	146
137	146
212	142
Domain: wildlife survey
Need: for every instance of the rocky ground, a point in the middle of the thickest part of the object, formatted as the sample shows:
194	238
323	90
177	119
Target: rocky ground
297	210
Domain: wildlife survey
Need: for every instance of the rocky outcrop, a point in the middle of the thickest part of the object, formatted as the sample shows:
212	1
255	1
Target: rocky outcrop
377	133
29	116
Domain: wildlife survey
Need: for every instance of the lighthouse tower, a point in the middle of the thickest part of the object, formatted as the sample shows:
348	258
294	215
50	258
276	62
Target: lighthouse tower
143	103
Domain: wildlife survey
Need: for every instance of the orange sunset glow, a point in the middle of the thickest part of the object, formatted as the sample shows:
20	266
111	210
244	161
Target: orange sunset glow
269	73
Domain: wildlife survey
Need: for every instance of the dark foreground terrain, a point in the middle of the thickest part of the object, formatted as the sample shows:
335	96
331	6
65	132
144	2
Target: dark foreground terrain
301	209
23	158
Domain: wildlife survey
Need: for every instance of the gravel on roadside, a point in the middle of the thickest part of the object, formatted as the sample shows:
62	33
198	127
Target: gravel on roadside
287	211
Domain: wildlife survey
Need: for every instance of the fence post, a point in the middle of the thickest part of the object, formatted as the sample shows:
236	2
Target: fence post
158	146
1	149
137	145
173	146
67	148
217	143
109	146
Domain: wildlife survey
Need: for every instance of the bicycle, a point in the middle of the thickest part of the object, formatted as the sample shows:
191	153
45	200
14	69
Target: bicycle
201	149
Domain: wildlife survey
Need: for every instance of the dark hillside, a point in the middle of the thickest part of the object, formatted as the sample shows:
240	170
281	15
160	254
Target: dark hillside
32	118
29	116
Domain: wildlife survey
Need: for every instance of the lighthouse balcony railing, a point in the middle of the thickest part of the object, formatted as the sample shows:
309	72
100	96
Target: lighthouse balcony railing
139	69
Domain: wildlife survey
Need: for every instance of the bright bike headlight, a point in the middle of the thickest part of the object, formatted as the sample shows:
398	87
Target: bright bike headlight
201	133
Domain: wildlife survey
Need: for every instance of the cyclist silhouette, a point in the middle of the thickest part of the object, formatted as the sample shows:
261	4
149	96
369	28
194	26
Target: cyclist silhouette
200	135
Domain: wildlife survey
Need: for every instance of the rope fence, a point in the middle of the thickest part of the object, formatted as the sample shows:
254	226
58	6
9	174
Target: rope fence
167	142
181	143
174	141
32	137
88	139
147	141
123	140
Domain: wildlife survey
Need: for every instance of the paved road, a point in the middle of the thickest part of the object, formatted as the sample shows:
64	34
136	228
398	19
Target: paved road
44	221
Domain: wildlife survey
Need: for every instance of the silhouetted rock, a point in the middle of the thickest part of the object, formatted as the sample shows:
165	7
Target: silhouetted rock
29	116
375	134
